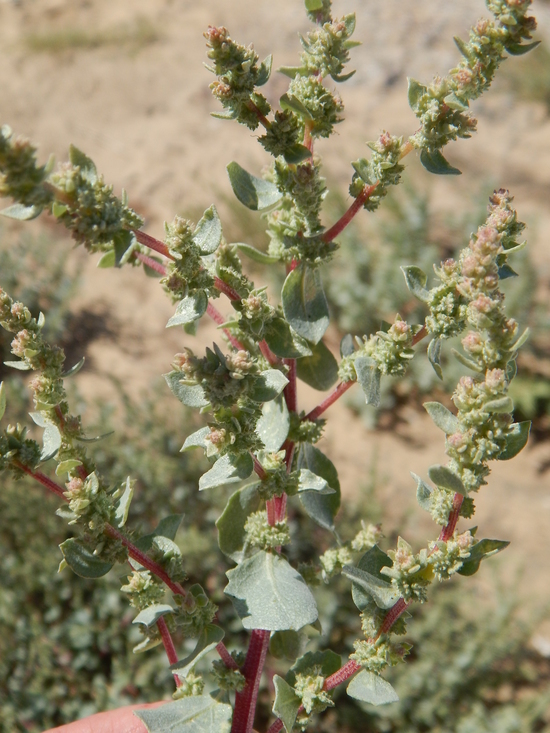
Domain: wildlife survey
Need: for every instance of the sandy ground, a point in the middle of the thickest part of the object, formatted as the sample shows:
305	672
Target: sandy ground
142	113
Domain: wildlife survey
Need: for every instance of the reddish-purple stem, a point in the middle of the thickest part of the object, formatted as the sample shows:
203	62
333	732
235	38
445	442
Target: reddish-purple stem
290	389
345	219
277	725
168	646
268	354
151	242
392	615
226	657
245	701
448	531
216	316
226	289
150	262
261	117
259	469
420	335
271	512
343	674
330	400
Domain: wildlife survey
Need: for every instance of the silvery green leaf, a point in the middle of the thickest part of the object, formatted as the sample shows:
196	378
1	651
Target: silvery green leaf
469	363
291	71
189	309
231	534
442	417
227	114
268	385
2	400
453	102
74	369
208	233
151	614
21	212
264	71
269	594
516	440
146	644
423	492
196	714
347	346
228	469
320	370
415	92
67	466
88	171
326	661
481	550
288	644
167	527
501	405
272	427
368	376
82	561
296	153
304	303
309	481
284	342
518	344
21	365
416	280
286	704
322	508
192	396
207	641
370	687
51	442
123	504
381	592
517	49
434	162
254	193
256	254
505	272
196	439
289	101
124	244
446	479
434	355
107	260
463	47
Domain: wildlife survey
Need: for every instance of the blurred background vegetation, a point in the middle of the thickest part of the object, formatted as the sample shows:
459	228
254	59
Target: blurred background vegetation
66	643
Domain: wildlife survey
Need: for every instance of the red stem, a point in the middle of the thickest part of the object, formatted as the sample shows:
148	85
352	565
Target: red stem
330	400
226	657
343	674
245	701
448	531
258	468
290	389
268	354
151	242
271	513
150	262
392	616
420	335
168	645
216	316
344	220
261	117
223	287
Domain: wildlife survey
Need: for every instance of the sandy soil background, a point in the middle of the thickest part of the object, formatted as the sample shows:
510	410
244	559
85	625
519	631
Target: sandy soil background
138	103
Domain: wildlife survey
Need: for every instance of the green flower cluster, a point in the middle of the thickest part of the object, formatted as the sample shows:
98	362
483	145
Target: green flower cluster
194	612
334	559
259	533
319	11
326	49
442	107
303	186
383	168
20	177
144	590
411	573
390	350
191	685
187	274
309	688
227	679
448	557
376	655
238	75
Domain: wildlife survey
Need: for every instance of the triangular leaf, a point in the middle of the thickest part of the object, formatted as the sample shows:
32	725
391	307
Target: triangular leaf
286	704
196	714
415	93
167	527
268	385
51	442
264	71
368	376
231	534
284	342
320	370
309	481
516	49
423	492
208	233
21	212
270	594
416	280
322	508
442	417
368	586
150	615
82	561
516	440
304	303
326	661
88	171
190	395
228	469
370	687
189	309
196	439
256	254
446	479
434	356
123	504
272	427
296	153
434	162
288	101
481	550
254	193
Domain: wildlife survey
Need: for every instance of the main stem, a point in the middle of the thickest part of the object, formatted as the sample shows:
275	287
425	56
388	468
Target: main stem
245	701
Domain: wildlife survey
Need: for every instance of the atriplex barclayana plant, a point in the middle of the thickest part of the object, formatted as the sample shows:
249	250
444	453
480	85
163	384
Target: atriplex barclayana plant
249	392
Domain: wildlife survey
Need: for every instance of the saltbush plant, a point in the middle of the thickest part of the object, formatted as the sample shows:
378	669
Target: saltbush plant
246	388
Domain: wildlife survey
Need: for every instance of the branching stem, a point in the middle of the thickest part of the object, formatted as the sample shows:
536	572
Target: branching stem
168	646
245	701
345	219
339	390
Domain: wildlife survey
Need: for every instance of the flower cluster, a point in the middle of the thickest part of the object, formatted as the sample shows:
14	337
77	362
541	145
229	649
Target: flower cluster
326	49
383	169
143	589
20	177
191	685
411	573
390	350
227	679
194	612
259	533
309	688
448	557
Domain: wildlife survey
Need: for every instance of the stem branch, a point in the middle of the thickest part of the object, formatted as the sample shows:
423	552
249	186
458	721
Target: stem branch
345	219
339	390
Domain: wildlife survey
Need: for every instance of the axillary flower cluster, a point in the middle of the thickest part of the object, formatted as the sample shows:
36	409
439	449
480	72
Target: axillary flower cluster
254	434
